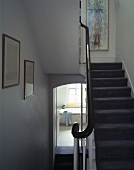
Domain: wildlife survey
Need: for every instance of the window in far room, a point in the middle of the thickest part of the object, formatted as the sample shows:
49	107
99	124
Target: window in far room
74	95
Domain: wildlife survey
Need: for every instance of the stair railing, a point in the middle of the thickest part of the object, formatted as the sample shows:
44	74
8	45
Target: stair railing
90	115
90	121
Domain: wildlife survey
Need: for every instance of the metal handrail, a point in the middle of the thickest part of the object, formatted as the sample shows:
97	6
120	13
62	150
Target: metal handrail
90	123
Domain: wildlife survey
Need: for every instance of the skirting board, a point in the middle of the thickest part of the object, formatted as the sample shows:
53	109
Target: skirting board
98	59
102	59
120	59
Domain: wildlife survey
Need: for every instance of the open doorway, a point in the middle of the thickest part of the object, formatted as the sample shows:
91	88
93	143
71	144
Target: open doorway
73	98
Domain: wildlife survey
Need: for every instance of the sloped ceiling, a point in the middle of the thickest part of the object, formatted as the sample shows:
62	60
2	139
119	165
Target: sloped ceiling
54	25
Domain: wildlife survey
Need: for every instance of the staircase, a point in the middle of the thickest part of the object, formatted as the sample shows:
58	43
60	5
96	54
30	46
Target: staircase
114	117
64	158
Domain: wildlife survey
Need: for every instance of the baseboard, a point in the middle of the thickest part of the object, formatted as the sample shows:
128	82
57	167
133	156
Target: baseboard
102	59
120	59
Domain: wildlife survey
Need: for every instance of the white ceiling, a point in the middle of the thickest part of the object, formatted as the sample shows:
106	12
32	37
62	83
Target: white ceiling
54	25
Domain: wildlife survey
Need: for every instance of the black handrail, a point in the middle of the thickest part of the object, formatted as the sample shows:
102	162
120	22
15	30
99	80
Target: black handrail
90	123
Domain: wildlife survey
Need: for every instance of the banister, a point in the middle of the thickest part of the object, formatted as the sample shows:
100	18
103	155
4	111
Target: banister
90	123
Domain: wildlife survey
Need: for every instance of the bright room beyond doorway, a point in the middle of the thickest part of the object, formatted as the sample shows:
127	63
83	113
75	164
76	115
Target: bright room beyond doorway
73	96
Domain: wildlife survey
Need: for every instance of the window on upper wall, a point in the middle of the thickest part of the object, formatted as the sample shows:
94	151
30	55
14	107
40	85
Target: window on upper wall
74	95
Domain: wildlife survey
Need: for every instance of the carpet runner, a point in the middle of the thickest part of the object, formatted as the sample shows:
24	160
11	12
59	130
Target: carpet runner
64	158
114	117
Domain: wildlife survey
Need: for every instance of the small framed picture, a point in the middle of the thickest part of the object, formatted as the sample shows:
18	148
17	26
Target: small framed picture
10	61
28	78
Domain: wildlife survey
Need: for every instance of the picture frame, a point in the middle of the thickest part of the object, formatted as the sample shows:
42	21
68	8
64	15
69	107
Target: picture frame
10	61
98	24
28	78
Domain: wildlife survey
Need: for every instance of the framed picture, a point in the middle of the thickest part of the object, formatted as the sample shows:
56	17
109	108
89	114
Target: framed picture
28	78
10	61
98	23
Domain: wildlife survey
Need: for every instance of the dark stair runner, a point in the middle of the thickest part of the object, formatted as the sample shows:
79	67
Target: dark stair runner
64	158
114	117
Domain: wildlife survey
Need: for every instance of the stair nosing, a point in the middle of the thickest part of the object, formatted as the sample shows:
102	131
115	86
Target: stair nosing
114	125
106	111
111	88
116	70
113	98
117	81
111	78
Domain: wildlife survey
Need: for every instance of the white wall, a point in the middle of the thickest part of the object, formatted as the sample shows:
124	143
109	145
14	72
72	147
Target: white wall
62	95
125	36
55	28
25	131
104	56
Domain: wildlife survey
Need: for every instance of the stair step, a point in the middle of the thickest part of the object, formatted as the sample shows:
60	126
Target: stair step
63	167
116	165
106	66
114	116
113	150
114	131
107	73
113	103
65	158
116	143
63	161
114	125
111	92
109	82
